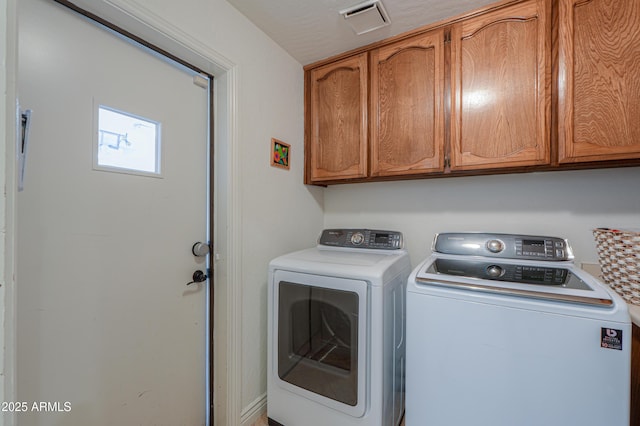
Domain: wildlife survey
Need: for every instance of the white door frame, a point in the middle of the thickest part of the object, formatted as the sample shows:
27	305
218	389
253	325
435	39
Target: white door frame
148	26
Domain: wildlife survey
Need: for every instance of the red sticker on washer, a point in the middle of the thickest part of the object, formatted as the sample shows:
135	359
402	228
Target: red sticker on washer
611	338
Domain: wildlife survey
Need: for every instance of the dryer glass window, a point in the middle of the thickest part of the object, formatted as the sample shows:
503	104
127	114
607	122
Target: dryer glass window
318	340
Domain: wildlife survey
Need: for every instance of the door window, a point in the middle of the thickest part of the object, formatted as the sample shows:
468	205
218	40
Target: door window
126	143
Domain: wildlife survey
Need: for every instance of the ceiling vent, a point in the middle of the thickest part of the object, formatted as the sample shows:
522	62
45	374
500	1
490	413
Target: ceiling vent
367	16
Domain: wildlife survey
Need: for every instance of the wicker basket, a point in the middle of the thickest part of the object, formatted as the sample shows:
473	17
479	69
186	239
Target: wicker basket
619	255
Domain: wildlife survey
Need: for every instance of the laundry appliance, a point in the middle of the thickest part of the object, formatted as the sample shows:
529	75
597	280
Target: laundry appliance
505	330
336	331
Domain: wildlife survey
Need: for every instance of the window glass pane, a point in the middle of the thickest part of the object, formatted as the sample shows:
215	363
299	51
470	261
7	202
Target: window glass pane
126	141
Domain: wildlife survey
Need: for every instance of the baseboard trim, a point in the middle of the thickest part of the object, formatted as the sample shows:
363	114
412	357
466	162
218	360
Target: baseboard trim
253	411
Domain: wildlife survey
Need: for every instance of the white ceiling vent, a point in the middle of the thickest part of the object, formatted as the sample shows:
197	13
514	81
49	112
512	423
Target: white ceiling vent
367	16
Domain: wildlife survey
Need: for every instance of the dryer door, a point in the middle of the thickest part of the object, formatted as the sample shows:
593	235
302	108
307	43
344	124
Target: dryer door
320	339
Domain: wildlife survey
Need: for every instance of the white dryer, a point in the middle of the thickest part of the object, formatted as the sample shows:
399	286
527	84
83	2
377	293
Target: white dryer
336	331
505	330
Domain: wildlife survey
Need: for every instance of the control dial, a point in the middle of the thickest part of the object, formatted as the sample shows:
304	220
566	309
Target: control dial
357	238
495	246
495	271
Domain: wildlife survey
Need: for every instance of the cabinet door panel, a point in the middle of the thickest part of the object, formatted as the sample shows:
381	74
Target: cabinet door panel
406	120
599	74
500	88
338	120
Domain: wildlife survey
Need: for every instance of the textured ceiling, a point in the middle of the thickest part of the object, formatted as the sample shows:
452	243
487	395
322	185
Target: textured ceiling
311	30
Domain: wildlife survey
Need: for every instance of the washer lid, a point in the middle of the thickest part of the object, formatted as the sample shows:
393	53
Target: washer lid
537	280
548	275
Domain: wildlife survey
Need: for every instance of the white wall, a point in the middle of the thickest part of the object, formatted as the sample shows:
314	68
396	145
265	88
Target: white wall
566	204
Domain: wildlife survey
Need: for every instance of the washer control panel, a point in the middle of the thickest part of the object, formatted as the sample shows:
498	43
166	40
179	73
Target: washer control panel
487	269
509	246
361	238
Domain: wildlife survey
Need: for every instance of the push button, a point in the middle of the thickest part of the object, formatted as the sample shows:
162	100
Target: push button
495	246
357	239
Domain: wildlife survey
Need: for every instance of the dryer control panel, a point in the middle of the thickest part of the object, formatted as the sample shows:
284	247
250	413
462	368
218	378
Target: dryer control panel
510	246
361	238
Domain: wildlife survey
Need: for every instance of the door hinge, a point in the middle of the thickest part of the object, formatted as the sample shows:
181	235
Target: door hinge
24	118
447	36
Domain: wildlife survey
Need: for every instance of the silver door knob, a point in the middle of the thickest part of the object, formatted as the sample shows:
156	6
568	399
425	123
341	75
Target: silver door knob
200	249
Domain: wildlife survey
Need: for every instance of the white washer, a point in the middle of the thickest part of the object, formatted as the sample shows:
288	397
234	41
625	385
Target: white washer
505	330
336	331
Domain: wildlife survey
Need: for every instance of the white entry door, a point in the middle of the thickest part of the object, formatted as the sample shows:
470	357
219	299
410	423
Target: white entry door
108	332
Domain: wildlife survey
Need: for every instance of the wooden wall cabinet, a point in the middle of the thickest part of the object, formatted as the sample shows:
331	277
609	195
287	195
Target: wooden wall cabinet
389	122
407	106
500	88
489	90
473	95
337	130
598	80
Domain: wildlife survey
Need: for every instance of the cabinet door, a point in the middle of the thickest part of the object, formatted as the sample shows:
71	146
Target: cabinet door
338	120
500	88
406	120
599	80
